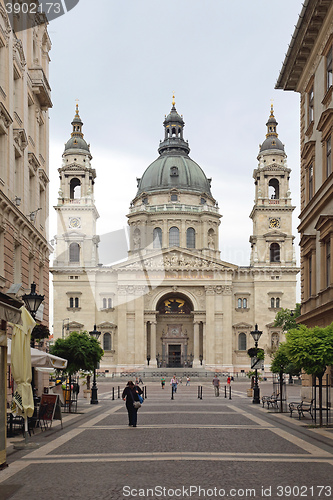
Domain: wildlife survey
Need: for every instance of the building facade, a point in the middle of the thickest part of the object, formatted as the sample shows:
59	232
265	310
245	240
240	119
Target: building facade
308	69
24	162
174	302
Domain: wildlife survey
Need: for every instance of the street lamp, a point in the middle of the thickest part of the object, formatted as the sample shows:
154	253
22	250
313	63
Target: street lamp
32	302
256	334
93	400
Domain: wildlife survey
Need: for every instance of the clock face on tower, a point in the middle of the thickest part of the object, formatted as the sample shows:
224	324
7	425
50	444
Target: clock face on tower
274	223
74	222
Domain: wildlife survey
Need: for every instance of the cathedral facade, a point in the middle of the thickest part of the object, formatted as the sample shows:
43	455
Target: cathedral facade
174	302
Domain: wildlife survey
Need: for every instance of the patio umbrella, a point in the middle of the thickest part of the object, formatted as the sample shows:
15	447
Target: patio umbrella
21	362
41	359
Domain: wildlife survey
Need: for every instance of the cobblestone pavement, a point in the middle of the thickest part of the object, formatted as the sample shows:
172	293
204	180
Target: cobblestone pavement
182	448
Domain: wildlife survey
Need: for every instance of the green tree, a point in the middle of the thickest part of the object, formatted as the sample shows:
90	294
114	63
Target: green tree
286	319
311	349
82	352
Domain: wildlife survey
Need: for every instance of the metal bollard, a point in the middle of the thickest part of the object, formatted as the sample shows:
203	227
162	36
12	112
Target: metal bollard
112	393
145	391
198	391
225	391
172	392
118	392
201	392
229	391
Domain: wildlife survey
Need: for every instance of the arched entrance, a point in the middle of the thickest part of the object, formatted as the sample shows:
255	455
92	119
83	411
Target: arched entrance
174	343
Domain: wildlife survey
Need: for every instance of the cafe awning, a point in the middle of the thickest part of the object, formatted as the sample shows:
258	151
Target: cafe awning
41	359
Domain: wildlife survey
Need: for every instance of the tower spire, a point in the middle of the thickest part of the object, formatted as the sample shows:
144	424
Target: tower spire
77	123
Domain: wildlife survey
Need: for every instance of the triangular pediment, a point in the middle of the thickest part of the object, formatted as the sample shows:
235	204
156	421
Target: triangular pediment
275	234
106	324
173	259
242	325
75	325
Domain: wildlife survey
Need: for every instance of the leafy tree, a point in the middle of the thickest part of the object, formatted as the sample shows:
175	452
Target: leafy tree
82	352
311	349
286	319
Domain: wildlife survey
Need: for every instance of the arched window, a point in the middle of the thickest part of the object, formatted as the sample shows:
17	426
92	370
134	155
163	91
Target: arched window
244	303
174	237
239	303
157	237
74	252
76	302
109	303
75	189
190	238
211	239
277	302
273	186
272	303
107	342
242	342
104	303
71	302
274	251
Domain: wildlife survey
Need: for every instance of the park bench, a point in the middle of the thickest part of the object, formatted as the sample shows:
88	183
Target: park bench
270	400
301	407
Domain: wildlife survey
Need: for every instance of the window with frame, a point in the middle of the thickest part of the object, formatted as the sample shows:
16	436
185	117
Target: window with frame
274	252
190	238
174	237
328	157
310	275
74	302
157	237
272	303
107	344
174	197
329	78
310	181
74	252
242	344
239	304
311	104
328	262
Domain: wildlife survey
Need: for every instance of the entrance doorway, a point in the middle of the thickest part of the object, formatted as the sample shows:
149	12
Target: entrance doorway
174	356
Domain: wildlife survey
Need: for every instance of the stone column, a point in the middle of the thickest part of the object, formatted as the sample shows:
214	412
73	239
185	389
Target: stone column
139	328
210	325
227	328
122	329
196	361
153	361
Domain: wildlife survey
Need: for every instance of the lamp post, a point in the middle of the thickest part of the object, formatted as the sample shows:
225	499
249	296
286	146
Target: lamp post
32	302
93	400
256	334
148	359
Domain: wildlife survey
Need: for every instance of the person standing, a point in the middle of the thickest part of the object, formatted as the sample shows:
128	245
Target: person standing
228	380
162	382
216	384
174	383
130	394
188	381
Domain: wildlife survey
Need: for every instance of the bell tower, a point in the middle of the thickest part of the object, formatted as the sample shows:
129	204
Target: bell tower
272	239
77	243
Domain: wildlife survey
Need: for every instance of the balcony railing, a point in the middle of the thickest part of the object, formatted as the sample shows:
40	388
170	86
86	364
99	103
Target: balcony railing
174	207
41	87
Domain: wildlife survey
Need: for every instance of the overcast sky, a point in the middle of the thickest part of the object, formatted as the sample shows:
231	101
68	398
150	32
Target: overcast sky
222	58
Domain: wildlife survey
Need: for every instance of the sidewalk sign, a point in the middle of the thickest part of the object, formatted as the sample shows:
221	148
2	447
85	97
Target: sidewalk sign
49	409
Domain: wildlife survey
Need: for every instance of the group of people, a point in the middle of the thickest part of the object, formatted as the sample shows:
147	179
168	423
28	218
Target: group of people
133	390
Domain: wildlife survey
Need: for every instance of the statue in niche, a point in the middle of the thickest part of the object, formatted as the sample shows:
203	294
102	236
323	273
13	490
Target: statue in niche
211	244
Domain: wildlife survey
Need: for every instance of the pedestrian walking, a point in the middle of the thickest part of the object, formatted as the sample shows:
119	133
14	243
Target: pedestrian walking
174	383
162	382
216	384
188	381
228	381
140	381
130	394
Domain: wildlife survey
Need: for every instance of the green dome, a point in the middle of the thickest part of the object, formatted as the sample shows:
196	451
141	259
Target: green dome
76	142
174	171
